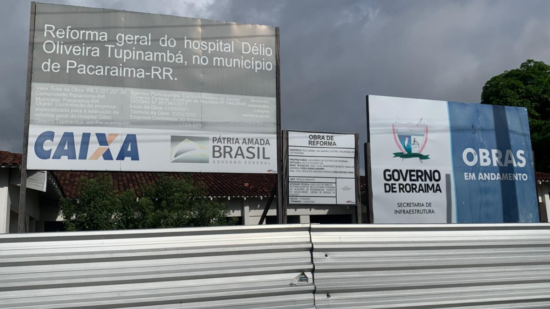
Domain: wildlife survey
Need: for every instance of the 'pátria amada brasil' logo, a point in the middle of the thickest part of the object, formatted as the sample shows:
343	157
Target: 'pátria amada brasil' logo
411	140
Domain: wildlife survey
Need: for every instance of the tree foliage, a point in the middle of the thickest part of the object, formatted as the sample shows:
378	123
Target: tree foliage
165	204
529	87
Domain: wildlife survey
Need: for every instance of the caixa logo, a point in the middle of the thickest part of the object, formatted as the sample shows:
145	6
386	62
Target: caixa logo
66	147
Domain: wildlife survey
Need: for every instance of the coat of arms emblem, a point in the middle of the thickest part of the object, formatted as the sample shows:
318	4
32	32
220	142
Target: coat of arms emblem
411	140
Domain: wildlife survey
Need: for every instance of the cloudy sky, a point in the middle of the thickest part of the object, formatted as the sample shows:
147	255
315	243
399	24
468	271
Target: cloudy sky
334	52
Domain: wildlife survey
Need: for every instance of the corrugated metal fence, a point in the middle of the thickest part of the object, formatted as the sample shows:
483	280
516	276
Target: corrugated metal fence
356	266
228	267
432	266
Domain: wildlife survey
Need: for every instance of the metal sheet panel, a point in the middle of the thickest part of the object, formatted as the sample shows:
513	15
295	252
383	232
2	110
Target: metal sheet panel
432	266
370	266
229	267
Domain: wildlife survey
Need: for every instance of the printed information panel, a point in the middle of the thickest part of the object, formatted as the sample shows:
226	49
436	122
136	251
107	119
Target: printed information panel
321	168
115	90
448	162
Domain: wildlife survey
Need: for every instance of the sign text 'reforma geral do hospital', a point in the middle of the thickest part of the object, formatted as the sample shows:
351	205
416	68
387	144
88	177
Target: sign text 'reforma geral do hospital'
115	90
448	162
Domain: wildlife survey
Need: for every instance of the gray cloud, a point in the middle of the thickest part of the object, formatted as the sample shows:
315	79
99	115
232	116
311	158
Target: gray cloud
333	53
336	52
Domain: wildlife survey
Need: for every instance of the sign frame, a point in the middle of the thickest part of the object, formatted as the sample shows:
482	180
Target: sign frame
22	210
286	174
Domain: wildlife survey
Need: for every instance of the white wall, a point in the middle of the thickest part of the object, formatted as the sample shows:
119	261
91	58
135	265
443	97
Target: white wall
33	206
252	209
4	200
543	190
33	203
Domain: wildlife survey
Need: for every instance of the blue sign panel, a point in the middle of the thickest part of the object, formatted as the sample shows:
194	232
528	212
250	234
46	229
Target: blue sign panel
492	164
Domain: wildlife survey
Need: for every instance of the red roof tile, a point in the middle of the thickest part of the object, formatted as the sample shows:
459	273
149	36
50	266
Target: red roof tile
217	184
10	159
543	176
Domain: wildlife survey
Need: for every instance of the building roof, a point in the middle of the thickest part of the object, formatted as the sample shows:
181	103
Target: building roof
217	184
10	159
544	177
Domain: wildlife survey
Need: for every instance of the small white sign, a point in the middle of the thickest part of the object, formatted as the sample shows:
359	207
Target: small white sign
321	168
409	137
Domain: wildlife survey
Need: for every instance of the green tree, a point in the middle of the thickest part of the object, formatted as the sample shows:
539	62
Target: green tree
529	87
165	204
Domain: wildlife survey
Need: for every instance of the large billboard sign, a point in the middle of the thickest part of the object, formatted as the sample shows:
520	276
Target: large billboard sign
321	168
115	90
447	162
